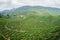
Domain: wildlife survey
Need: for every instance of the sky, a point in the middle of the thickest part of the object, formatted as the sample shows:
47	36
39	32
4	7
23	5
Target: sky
8	4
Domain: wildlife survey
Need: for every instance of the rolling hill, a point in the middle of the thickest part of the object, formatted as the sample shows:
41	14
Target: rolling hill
30	23
31	10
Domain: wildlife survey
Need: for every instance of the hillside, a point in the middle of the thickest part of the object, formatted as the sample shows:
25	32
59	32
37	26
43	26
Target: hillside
29	10
30	23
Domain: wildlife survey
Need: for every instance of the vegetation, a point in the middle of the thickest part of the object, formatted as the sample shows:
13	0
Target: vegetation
30	28
30	25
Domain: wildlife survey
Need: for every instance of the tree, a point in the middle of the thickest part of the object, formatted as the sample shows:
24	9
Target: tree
8	15
0	15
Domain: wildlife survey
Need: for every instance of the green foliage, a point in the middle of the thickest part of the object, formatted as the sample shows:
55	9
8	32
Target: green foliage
0	15
32	23
32	27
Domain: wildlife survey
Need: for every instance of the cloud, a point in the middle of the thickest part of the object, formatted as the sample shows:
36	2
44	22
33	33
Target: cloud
7	4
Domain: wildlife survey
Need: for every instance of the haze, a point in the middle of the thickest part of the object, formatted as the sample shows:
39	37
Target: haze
8	4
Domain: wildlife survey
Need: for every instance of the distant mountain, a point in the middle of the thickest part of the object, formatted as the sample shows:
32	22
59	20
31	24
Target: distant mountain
26	10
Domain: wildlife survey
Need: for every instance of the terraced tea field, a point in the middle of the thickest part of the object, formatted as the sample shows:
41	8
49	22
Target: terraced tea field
30	28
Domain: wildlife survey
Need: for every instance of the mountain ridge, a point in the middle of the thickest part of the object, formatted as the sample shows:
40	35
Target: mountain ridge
31	10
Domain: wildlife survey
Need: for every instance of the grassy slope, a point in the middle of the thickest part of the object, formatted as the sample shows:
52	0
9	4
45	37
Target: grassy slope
31	27
32	24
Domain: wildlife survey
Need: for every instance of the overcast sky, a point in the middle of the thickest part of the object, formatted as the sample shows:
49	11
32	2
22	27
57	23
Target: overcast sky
7	4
